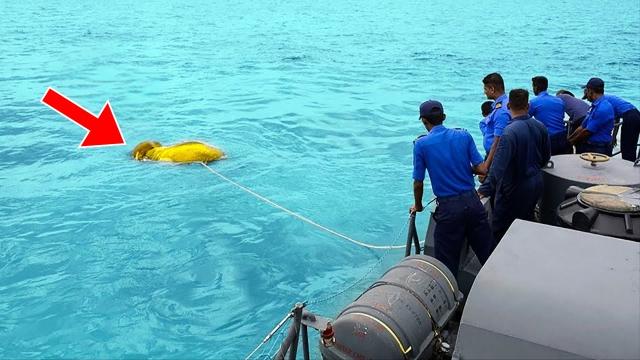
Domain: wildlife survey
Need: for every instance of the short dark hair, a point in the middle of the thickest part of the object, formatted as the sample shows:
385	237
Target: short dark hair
495	80
435	119
565	92
486	107
518	99
540	82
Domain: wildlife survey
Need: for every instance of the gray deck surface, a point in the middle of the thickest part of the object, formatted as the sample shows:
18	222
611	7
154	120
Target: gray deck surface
548	292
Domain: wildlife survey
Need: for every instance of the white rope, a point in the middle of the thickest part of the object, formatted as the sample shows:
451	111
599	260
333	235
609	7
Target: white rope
364	275
296	215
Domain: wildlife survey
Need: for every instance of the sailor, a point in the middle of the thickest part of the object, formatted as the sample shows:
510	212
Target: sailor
499	117
451	158
594	135
549	110
630	126
486	108
186	152
515	176
576	109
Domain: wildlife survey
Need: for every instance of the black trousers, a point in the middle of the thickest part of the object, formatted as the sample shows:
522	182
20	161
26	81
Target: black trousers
458	218
559	144
600	148
630	133
518	202
575	124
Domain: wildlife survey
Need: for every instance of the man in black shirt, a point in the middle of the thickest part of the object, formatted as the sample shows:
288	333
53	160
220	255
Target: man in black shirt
515	176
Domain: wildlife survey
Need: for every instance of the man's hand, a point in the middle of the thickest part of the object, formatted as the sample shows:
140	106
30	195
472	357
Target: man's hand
416	208
480	169
481	195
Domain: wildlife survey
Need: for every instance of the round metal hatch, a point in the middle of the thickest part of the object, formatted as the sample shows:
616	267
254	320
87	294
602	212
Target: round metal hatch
612	199
605	210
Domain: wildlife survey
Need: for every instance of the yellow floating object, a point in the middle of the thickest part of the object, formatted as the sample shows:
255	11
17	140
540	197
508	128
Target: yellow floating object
186	152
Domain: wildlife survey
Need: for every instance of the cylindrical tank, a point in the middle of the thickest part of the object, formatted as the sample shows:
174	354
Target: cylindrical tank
604	210
567	170
400	316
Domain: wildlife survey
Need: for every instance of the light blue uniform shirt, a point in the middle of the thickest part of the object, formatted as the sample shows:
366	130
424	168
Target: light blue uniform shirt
549	110
599	121
486	140
498	120
448	155
620	106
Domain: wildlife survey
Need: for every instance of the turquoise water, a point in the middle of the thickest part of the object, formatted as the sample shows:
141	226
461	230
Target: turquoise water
315	103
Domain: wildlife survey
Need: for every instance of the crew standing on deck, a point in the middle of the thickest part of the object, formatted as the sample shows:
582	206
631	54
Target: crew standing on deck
576	109
499	117
515	176
594	135
549	110
630	126
451	158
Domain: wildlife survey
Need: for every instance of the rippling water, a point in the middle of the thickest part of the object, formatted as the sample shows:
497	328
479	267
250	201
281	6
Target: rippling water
315	103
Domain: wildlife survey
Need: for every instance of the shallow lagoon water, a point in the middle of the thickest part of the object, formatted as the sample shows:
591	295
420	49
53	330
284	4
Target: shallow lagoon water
315	103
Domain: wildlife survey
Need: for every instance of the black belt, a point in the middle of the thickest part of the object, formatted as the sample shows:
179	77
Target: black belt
563	133
598	143
444	199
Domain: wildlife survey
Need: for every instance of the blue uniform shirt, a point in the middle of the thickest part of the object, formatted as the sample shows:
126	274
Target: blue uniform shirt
549	110
498	120
486	140
448	155
620	106
599	121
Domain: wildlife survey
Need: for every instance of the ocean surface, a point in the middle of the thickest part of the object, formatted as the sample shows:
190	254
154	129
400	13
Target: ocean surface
315	103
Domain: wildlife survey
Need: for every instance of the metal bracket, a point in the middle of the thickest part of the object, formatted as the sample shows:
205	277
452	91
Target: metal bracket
314	321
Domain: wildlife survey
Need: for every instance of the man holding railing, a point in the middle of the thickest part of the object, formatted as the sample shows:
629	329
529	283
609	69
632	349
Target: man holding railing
451	158
594	135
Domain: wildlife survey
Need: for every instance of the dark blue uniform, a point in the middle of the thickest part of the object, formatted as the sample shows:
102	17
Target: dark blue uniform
599	122
630	126
549	110
515	173
448	155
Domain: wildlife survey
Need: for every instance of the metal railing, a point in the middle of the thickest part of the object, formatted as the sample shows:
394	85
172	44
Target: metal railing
290	343
303	319
412	237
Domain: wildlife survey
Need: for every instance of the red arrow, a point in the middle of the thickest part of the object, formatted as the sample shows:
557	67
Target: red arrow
103	130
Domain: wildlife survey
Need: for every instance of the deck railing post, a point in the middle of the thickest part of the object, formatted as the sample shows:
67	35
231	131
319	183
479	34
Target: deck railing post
297	321
305	342
412	237
290	343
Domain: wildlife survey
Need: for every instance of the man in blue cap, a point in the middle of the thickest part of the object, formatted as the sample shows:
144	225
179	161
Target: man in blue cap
451	158
630	126
594	135
515	176
549	110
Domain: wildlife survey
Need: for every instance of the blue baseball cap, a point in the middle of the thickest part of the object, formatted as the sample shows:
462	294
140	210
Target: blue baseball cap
594	83
431	107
